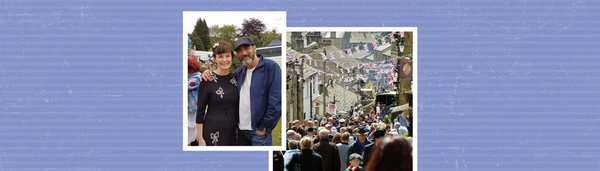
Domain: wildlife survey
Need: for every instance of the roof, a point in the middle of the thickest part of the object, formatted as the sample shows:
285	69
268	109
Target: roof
358	37
380	48
345	98
274	43
338	34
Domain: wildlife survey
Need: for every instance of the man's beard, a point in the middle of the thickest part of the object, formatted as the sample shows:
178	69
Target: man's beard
248	61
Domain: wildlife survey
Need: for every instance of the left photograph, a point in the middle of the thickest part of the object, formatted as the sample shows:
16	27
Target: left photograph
233	85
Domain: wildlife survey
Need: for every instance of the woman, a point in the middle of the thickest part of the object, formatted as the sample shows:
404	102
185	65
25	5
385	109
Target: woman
217	126
337	138
193	83
306	159
394	153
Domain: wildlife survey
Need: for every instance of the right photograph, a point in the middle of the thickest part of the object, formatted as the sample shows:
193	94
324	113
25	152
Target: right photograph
350	98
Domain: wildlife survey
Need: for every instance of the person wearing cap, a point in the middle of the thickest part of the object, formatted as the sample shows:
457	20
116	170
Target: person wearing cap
358	146
328	151
259	87
378	137
311	131
355	162
341	123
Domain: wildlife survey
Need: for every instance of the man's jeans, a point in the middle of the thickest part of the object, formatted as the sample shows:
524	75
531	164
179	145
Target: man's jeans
250	138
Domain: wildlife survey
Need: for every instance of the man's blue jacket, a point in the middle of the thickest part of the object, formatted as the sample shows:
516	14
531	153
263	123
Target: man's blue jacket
265	93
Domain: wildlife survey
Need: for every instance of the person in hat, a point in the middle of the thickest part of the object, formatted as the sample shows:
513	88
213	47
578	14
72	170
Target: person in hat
355	160
378	136
259	86
358	146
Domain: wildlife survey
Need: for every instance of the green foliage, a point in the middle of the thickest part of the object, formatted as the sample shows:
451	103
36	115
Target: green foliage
196	41
228	33
386	119
256	40
200	37
269	36
368	85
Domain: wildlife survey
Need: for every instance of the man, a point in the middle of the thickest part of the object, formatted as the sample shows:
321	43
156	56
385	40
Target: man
328	151
358	146
400	129
351	112
311	132
259	87
343	149
278	163
342	123
290	136
293	149
307	158
299	129
378	137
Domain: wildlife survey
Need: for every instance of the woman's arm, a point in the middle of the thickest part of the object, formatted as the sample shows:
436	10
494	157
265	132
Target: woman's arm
201	141
203	97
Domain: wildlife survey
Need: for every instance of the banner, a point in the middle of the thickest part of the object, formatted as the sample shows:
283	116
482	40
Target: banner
406	70
331	109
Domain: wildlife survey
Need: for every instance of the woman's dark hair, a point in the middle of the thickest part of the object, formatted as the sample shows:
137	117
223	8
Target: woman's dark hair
393	154
222	47
193	65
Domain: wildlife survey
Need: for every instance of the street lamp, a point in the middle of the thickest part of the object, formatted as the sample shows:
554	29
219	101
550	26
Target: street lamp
400	45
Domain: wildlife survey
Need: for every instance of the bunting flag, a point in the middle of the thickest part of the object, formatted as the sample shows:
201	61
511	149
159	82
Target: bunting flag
402	34
357	49
292	58
331	55
390	80
323	55
383	41
392	37
349	52
337	65
366	48
341	54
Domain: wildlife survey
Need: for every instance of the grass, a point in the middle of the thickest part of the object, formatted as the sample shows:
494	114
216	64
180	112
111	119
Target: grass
276	134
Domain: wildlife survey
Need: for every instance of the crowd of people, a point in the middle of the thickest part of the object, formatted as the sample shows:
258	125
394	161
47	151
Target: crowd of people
352	142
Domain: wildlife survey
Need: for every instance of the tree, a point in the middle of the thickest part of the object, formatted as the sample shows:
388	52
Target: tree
269	36
215	34
205	35
252	26
228	33
196	41
200	37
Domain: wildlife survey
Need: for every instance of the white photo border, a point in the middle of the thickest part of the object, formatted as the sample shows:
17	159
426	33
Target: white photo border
415	68
281	27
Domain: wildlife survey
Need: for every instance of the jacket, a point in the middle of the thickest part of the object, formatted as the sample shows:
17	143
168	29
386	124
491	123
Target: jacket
265	93
308	160
343	148
369	148
330	154
356	146
193	84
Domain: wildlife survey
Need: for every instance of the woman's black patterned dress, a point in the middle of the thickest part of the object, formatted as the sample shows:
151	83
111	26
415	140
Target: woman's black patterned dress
221	119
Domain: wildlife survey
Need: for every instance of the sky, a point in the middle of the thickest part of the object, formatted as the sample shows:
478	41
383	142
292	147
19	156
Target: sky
272	20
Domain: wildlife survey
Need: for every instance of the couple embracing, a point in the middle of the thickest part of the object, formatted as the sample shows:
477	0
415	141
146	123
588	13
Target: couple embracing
243	106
